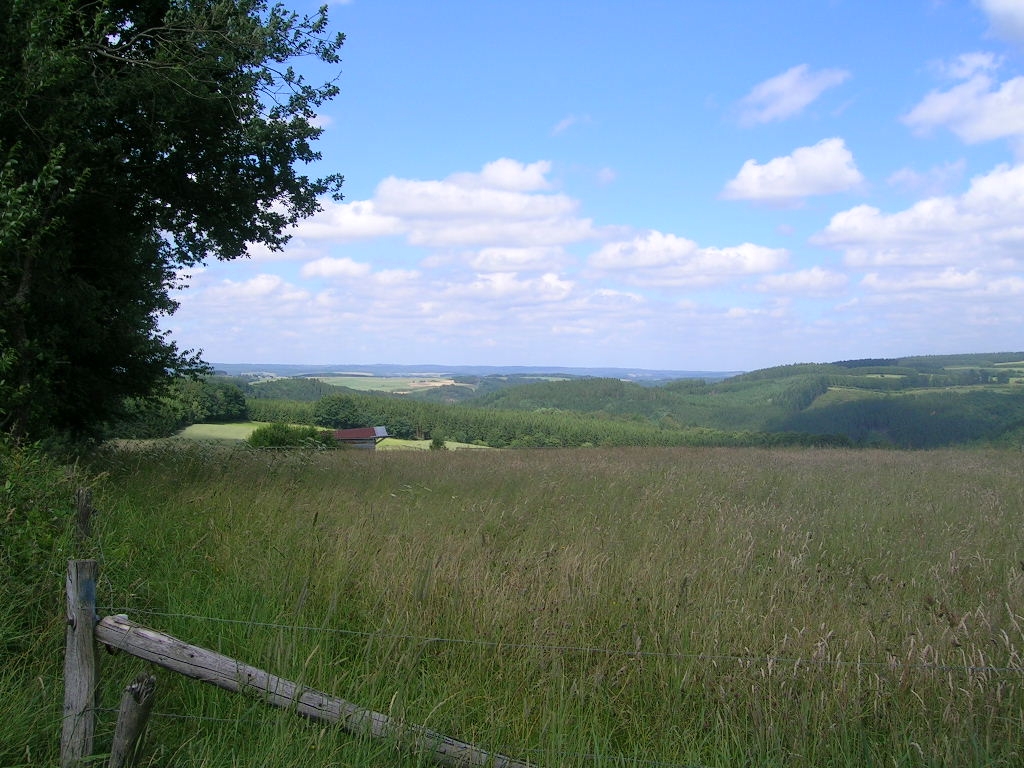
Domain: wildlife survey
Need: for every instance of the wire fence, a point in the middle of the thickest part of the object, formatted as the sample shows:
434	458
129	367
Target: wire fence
554	755
892	663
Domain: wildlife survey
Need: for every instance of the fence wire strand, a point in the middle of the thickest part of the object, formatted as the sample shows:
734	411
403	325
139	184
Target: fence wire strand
749	659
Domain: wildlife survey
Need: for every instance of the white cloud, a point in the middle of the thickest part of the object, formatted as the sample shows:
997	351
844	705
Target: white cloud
410	199
297	249
321	121
348	221
506	204
506	174
977	109
572	330
813	281
256	290
1006	17
825	168
517	259
658	259
934	181
328	267
787	94
1007	286
522	232
949	279
396	277
499	276
501	205
507	287
967	65
568	122
982	226
619	298
748	313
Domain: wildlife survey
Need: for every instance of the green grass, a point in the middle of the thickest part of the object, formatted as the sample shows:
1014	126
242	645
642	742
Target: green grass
838	395
228	432
714	607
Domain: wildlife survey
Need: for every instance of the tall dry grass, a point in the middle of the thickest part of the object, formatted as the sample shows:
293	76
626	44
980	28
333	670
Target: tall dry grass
609	607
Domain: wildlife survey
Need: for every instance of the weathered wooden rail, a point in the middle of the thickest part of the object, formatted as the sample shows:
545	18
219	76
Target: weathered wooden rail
122	634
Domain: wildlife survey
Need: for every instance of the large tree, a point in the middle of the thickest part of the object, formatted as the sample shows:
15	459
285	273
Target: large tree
138	138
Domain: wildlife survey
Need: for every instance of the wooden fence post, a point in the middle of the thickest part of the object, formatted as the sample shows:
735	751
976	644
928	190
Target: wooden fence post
120	633
81	671
136	703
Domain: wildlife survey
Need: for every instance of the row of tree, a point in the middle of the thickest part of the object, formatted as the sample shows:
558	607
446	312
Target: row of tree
925	420
410	419
185	401
138	138
637	417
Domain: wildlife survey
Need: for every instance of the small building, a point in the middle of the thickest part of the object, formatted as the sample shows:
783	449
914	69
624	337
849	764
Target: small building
361	437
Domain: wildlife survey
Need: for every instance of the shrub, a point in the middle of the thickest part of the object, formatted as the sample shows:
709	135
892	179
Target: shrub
288	436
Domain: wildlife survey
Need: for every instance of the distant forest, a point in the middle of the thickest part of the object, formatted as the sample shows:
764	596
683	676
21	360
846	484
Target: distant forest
913	402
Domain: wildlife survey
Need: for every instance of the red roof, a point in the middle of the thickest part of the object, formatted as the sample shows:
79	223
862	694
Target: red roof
361	433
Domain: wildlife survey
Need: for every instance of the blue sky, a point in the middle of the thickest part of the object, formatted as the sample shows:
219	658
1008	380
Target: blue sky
698	184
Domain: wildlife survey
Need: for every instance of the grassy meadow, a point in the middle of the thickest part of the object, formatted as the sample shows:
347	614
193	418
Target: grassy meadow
232	432
236	432
684	607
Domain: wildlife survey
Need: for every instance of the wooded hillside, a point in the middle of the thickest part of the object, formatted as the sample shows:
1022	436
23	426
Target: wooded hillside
914	402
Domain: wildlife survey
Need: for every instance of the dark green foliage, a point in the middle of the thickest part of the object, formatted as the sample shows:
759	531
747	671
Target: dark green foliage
610	397
783	402
687	386
788	371
209	400
802	392
36	504
974	360
184	402
867	363
37	496
409	419
298	388
734	404
137	138
148	417
288	436
925	420
339	412
286	411
869	402
449	393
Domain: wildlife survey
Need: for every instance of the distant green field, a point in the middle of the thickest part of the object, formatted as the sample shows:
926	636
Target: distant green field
837	395
392	384
237	431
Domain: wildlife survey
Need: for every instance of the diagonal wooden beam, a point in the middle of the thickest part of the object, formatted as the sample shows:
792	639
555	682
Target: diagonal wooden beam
121	633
